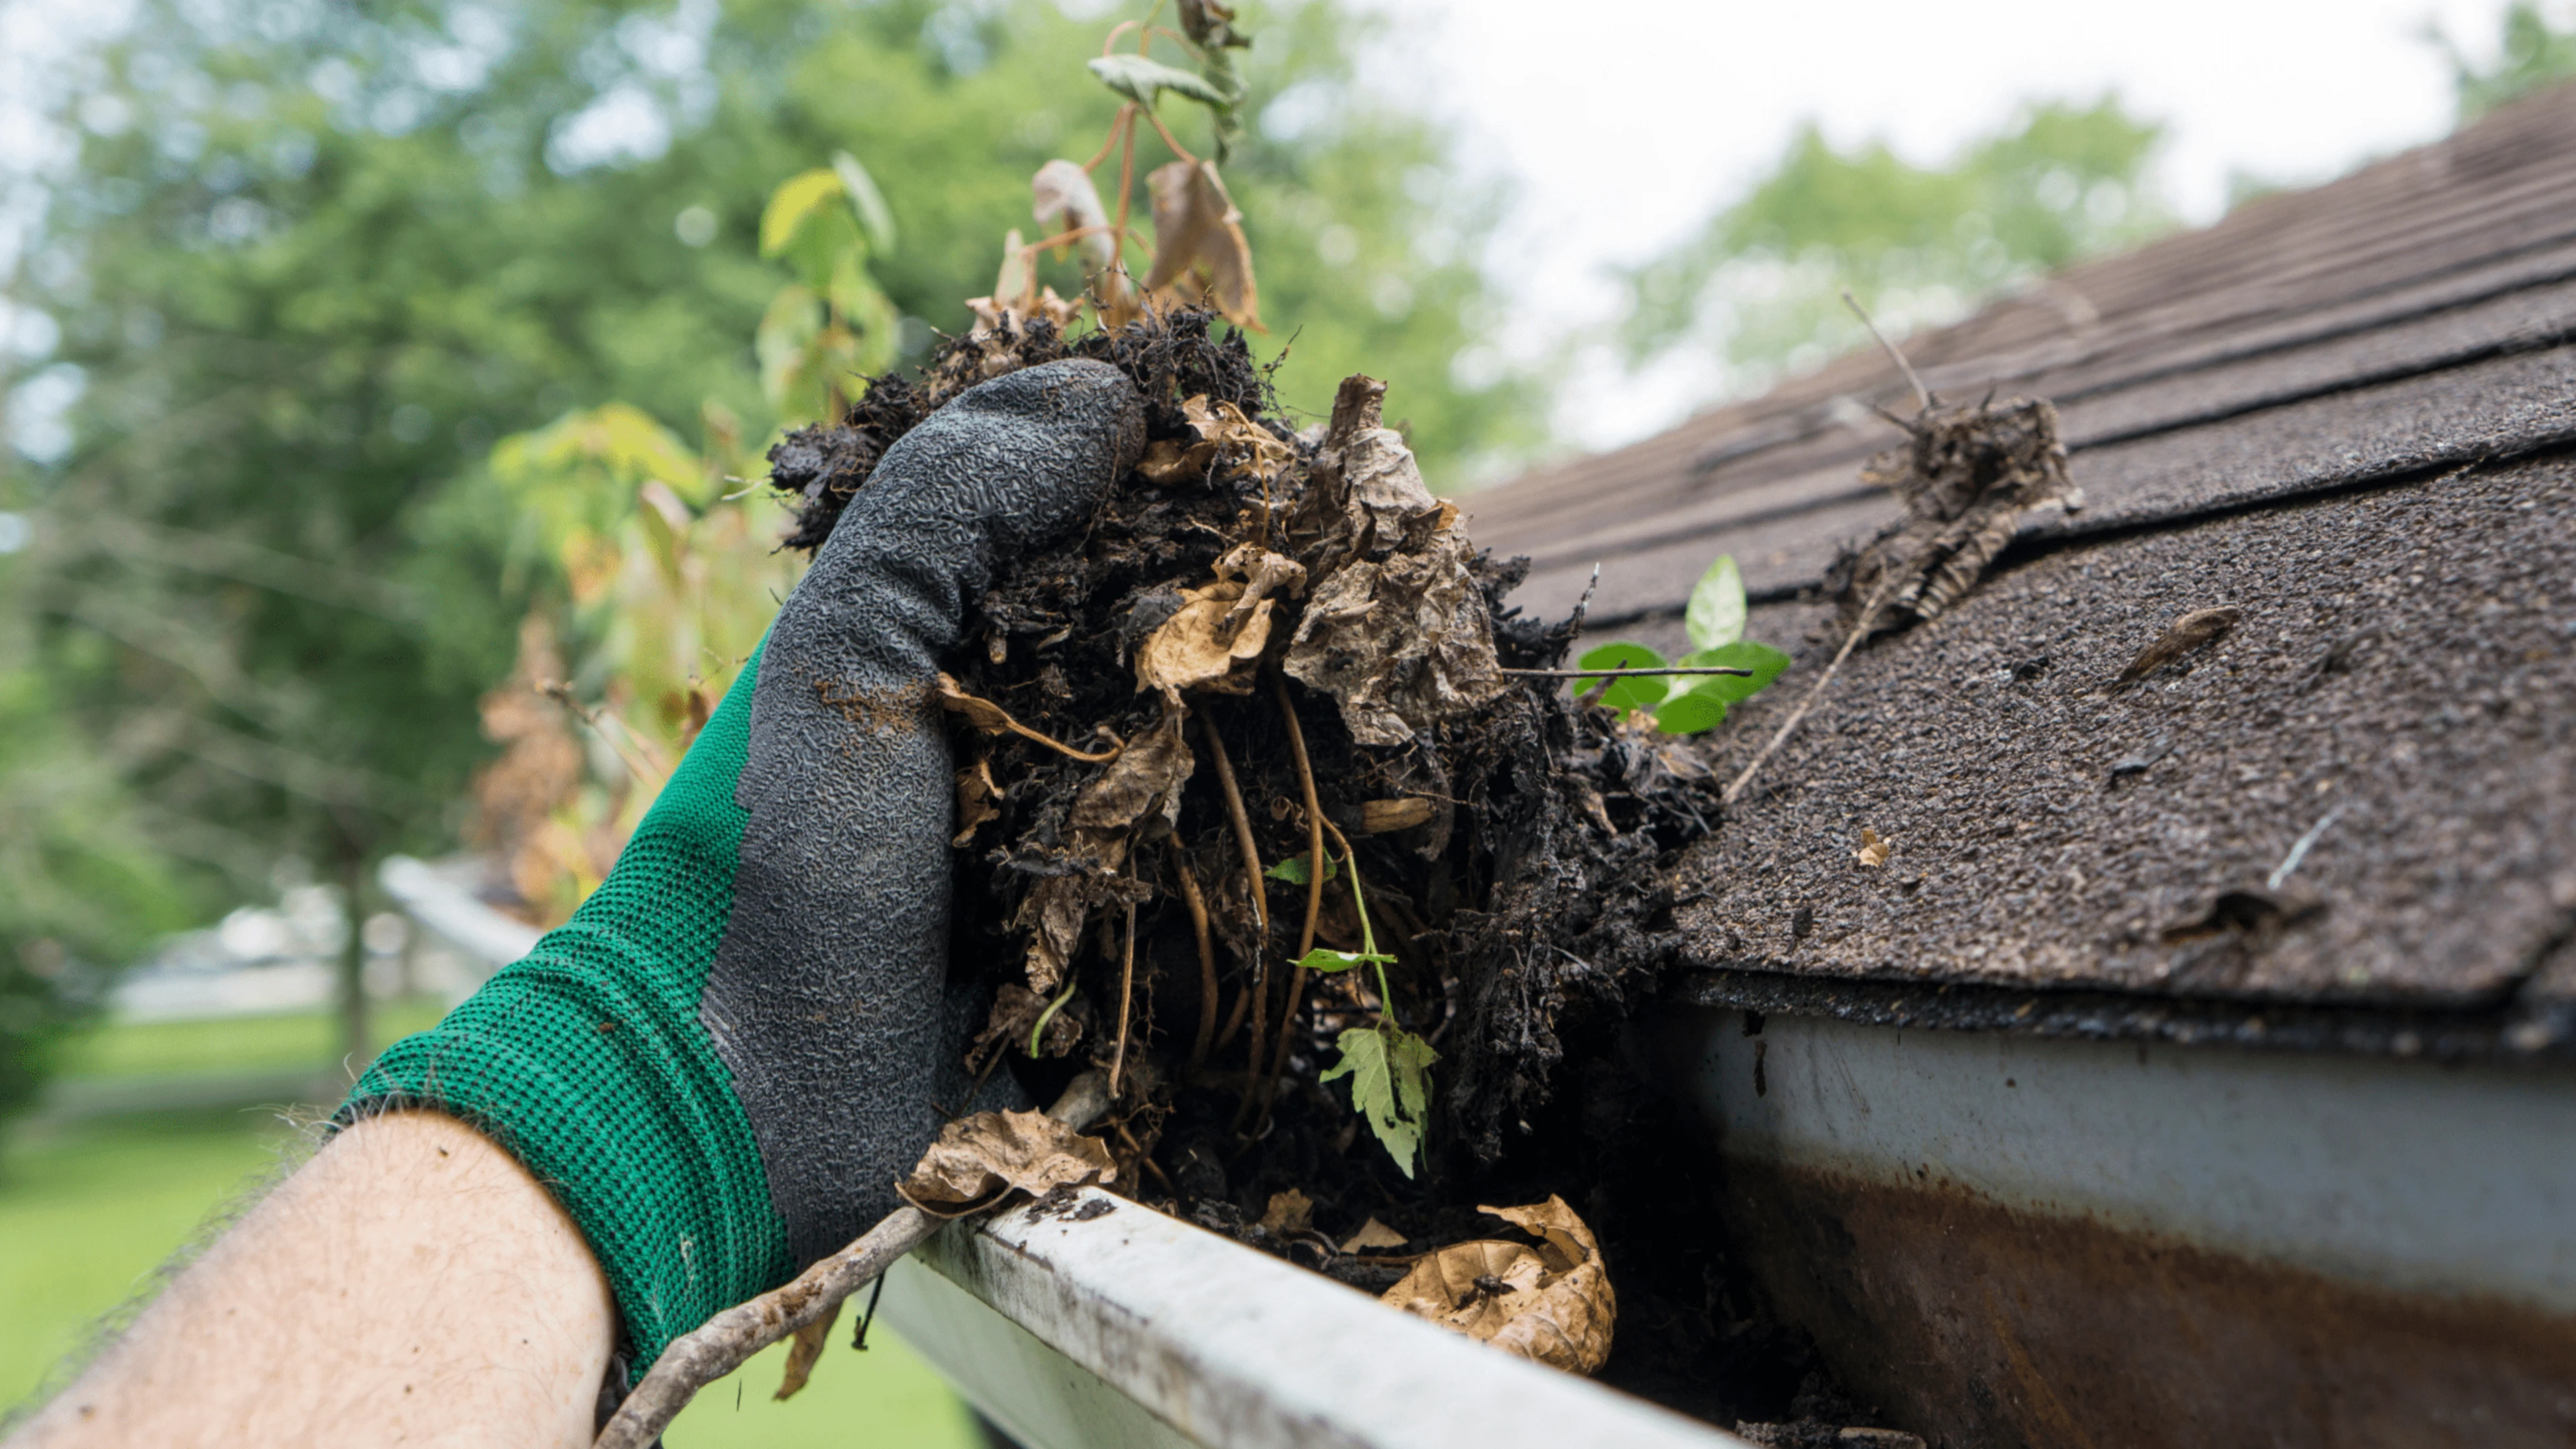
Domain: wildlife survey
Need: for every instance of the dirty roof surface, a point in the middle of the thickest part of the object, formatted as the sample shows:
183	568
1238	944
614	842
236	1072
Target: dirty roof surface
2347	413
2346	306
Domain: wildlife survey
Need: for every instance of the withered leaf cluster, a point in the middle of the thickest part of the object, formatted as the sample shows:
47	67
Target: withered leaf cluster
1550	1300
1966	475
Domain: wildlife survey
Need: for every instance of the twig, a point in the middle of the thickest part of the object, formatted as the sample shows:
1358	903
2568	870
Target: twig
727	1341
1860	630
1126	998
2299	852
1197	903
1314	886
986	715
1626	673
1242	827
1922	394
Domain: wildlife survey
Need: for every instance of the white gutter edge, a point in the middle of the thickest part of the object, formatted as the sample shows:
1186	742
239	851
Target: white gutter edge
442	905
1230	1347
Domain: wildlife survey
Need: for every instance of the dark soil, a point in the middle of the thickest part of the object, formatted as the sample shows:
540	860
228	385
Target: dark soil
1530	915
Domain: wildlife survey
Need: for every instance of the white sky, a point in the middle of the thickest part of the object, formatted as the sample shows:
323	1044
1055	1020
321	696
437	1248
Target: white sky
1618	127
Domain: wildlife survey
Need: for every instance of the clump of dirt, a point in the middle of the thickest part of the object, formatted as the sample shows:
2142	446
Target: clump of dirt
1258	618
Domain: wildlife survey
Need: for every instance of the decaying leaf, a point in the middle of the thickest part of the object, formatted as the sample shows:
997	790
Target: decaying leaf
1215	639
1966	476
1398	634
976	793
1382	817
1550	1301
1142	784
1064	200
1145	779
1873	850
1373	1234
2196	630
1247	448
1015	299
1199	250
803	1351
982	1159
1288	1212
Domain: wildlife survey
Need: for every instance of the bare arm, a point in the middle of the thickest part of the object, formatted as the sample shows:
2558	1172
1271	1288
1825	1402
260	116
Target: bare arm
412	1284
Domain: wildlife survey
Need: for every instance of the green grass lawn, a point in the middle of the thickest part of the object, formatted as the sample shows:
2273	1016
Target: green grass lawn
89	1209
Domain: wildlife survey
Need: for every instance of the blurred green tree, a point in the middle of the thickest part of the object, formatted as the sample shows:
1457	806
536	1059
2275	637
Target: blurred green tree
1760	286
304	263
2531	55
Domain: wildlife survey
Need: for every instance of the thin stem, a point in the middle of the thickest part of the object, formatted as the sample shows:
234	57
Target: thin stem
1037	1033
1126	1000
1207	959
1166	133
1869	616
1314	878
1242	830
1126	189
1627	673
1117	123
1922	394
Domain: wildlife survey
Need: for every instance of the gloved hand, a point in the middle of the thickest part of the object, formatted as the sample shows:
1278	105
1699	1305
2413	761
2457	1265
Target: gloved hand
723	1062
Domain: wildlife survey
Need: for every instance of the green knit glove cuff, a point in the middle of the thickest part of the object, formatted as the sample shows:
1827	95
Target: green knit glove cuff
586	1061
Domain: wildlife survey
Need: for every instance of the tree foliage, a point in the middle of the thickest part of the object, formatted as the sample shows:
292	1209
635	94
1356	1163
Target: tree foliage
1760	285
2532	55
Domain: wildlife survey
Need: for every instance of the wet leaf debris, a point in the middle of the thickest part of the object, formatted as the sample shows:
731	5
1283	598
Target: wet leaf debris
1250	816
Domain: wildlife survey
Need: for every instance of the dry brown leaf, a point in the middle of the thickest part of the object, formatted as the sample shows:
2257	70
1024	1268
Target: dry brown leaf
1063	199
1289	1212
1199	250
1550	1302
1873	850
1401	645
1966	476
1252	450
982	1159
1215	639
1382	817
802	1352
1373	1234
2196	630
1146	778
976	793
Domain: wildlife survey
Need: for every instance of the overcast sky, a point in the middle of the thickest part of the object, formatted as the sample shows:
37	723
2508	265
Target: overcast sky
1618	127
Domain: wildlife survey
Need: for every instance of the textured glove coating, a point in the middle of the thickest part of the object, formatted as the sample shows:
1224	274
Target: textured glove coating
826	1000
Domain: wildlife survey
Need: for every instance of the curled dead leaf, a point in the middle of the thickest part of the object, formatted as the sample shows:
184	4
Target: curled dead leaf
1874	849
1288	1212
1215	639
1373	1234
803	1351
1549	1301
976	793
1382	817
980	1160
1064	200
1199	250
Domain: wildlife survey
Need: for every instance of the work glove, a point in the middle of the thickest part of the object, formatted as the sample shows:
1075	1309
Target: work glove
726	1058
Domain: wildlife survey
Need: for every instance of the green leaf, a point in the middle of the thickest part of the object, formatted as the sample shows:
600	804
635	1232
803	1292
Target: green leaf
1328	961
1716	613
1390	1072
1143	79
797	198
1765	662
1293	870
874	215
1690	714
1624	695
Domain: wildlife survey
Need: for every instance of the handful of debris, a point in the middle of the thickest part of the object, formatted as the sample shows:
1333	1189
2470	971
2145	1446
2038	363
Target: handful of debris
1253	815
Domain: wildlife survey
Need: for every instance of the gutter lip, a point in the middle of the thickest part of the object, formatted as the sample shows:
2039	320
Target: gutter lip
2517	1028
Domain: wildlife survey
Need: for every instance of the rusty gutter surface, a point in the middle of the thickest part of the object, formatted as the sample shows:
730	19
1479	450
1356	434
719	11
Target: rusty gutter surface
2010	1239
1102	1323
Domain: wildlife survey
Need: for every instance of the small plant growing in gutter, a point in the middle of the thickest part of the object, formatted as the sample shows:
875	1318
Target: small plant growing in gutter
1688	704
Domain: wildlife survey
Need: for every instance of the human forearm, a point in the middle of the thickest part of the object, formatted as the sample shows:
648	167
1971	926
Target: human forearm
412	1284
